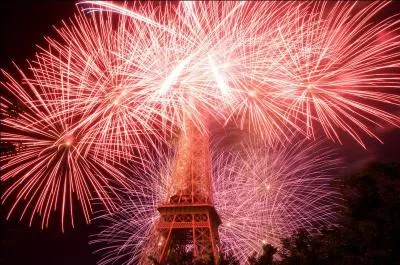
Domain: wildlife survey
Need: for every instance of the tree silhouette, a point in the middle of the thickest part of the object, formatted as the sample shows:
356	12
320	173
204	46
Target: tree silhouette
368	231
266	258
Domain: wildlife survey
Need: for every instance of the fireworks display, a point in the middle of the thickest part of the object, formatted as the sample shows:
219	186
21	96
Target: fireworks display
125	232
53	165
273	67
262	194
118	81
88	64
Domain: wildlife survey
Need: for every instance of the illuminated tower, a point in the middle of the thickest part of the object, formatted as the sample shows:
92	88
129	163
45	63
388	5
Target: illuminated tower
188	219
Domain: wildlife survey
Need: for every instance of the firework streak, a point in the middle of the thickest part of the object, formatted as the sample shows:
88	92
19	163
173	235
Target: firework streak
262	194
118	80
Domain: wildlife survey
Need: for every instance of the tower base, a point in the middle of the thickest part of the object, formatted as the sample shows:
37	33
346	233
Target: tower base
189	227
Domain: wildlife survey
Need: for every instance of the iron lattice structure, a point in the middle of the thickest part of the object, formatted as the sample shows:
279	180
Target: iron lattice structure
188	219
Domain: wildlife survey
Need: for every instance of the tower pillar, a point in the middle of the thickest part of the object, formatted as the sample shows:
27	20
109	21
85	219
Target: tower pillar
188	219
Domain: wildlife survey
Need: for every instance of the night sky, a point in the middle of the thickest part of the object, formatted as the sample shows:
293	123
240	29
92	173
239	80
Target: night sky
22	27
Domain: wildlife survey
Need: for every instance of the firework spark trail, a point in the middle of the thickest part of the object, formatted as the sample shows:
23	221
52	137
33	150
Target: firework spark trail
257	104
207	64
337	71
50	172
268	67
78	123
86	64
125	232
286	66
262	194
99	6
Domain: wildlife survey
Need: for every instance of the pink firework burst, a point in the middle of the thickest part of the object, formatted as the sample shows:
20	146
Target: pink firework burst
207	58
88	64
125	78
274	67
125	232
52	167
336	71
262	194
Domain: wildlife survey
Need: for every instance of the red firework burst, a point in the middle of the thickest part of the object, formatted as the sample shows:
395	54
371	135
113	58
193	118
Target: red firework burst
53	166
126	77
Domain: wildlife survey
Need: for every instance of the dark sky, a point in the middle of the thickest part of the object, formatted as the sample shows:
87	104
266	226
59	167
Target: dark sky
25	24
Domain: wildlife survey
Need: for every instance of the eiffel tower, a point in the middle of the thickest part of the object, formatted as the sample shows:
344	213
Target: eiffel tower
189	219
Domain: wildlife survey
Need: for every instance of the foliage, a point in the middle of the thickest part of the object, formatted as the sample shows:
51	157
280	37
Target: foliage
367	232
266	258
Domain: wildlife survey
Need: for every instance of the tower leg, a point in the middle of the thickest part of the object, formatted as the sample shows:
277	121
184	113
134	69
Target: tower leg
193	228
